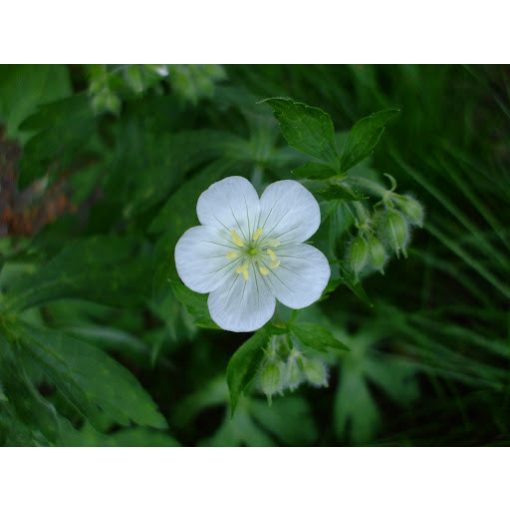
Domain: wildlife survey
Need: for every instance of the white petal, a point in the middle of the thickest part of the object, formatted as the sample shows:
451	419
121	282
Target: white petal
230	203
301	277
242	305
201	259
288	212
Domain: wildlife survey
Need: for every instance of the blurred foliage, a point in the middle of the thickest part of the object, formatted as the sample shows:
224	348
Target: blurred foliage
100	170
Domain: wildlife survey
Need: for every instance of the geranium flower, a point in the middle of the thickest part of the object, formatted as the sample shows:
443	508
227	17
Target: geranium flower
248	252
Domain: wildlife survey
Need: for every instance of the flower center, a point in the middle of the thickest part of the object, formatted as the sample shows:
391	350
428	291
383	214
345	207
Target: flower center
256	251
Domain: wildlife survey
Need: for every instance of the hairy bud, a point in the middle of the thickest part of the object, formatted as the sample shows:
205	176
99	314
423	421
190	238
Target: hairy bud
394	230
378	255
411	208
315	371
293	371
271	378
358	255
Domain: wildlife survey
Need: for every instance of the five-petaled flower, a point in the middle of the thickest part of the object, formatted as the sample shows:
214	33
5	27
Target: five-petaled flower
248	252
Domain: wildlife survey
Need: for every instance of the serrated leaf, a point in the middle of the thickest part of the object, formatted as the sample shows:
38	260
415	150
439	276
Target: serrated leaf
89	378
243	365
317	337
306	128
364	136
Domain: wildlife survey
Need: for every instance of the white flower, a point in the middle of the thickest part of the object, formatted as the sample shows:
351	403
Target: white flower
248	252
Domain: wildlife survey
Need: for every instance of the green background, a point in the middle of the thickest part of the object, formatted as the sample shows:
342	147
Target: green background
100	344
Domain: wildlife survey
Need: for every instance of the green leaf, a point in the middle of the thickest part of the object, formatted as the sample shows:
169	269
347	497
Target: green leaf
134	437
333	188
175	215
195	304
61	132
289	419
364	136
148	165
107	269
312	170
347	278
89	378
24	414
317	337
356	413
306	128
243	365
24	87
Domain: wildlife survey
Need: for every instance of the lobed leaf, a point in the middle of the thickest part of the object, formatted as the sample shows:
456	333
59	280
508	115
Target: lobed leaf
364	136
306	128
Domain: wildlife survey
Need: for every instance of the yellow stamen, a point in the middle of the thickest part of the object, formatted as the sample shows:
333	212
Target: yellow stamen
264	271
257	234
275	262
236	239
272	254
231	255
243	269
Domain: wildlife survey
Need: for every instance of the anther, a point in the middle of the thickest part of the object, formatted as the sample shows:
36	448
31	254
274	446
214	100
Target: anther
275	262
231	255
272	254
264	271
243	269
236	239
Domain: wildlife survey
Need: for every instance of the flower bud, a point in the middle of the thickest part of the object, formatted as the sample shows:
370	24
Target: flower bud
411	208
358	255
378	255
315	371
271	378
293	371
394	230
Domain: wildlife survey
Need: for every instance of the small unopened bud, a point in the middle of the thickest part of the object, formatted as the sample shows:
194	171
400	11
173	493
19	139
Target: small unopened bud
378	255
293	371
358	255
411	208
315	371
271	378
394	230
